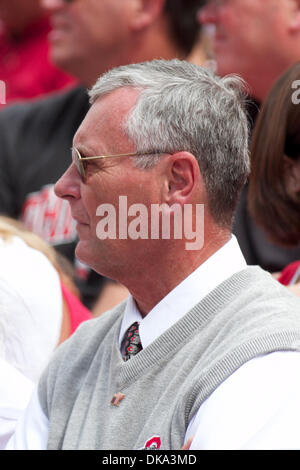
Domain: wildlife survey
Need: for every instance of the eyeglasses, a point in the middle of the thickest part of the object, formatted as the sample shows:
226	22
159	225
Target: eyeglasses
80	161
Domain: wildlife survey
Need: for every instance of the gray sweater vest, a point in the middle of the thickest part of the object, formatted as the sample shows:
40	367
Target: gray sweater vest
248	315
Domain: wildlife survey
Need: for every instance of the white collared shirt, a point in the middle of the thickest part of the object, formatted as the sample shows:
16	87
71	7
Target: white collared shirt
185	295
257	407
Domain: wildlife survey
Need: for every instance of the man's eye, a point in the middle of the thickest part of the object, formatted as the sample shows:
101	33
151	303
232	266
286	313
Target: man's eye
84	164
90	166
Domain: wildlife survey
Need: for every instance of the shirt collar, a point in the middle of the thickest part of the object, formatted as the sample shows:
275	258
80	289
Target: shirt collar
220	266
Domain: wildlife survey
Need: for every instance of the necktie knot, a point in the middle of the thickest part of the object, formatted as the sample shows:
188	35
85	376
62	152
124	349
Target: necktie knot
132	341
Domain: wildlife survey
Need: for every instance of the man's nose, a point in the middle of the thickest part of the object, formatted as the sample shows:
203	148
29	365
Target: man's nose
68	186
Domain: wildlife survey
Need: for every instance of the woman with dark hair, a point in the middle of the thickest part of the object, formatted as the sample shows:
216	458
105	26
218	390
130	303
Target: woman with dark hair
274	186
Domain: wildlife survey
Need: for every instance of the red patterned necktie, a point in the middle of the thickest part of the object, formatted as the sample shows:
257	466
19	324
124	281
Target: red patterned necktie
132	341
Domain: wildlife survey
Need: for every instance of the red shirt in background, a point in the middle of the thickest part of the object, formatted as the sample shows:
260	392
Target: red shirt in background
288	273
25	67
78	312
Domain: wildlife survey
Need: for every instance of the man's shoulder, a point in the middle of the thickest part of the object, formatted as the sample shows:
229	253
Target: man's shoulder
56	103
32	128
259	303
262	285
251	303
247	316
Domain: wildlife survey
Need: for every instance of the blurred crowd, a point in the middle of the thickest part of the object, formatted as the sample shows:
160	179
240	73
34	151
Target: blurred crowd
51	53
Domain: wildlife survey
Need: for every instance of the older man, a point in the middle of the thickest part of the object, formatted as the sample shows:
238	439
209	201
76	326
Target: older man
204	346
88	38
257	39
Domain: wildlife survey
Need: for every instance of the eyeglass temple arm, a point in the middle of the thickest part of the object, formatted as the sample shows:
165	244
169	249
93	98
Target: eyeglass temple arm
107	156
119	155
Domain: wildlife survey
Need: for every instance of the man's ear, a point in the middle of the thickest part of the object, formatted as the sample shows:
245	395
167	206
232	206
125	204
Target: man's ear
292	175
295	19
145	12
184	178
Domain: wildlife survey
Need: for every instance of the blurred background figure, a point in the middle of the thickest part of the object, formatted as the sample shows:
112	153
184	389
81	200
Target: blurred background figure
36	299
25	66
31	306
39	309
88	38
259	40
15	392
274	187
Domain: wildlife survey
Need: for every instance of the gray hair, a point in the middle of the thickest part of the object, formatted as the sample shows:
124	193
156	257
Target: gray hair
182	106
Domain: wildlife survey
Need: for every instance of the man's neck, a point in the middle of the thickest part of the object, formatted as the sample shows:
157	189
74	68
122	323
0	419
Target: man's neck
149	286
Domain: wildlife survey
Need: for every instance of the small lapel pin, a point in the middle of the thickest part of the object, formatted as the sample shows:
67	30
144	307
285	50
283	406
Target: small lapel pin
117	398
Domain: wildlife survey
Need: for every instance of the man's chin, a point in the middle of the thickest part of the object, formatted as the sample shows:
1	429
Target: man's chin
82	251
87	255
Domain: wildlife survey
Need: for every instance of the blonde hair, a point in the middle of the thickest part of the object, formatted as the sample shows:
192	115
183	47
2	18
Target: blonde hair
10	228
